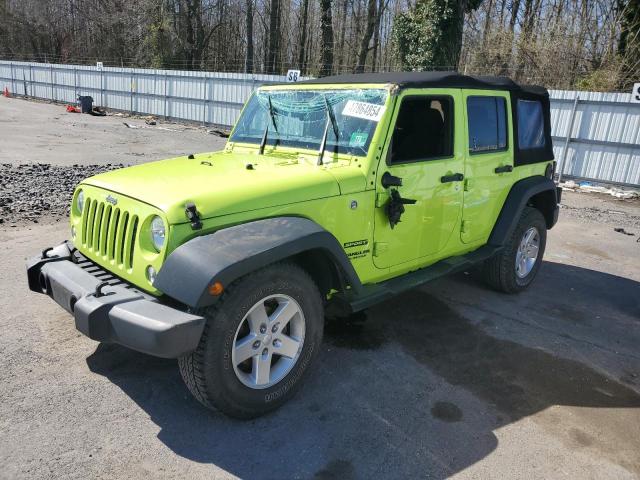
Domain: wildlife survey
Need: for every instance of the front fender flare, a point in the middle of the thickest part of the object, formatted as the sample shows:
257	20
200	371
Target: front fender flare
233	252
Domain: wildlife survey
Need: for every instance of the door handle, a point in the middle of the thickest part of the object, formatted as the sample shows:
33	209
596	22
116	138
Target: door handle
456	177
504	169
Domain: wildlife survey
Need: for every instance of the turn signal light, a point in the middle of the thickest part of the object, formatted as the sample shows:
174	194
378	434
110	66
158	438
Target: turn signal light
216	289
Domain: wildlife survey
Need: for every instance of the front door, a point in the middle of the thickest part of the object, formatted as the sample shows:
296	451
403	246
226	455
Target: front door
426	156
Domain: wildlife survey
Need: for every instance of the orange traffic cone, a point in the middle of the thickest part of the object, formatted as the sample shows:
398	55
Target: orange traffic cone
6	92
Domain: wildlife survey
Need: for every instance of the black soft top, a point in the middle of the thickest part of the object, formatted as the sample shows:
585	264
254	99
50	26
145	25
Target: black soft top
403	80
432	79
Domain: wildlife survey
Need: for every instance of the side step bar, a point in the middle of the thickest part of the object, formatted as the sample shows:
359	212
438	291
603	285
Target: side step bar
380	292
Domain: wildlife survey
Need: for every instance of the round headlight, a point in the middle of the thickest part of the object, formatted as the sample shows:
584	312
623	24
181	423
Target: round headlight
80	201
157	232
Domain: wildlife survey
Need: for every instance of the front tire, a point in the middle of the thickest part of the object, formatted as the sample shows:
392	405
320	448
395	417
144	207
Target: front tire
516	266
258	342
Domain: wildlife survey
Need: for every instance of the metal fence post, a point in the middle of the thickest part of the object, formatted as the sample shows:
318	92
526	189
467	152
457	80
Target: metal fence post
24	82
102	87
13	82
51	80
204	100
132	78
568	139
166	97
31	80
106	93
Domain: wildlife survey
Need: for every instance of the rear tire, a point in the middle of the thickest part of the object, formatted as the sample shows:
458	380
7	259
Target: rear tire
248	362
514	268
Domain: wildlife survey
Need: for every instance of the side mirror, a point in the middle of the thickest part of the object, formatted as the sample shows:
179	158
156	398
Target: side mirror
389	180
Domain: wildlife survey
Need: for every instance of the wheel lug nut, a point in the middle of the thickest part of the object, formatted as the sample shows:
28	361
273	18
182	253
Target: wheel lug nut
277	343
274	329
265	352
256	344
263	328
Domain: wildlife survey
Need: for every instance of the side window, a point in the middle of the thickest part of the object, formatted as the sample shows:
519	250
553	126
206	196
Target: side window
487	124
530	124
423	130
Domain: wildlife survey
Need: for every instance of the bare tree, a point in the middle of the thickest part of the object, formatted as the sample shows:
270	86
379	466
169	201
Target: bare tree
303	34
191	30
590	44
515	8
248	62
372	17
326	28
273	51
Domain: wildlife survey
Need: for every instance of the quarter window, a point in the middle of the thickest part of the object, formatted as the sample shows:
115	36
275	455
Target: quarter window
530	125
487	124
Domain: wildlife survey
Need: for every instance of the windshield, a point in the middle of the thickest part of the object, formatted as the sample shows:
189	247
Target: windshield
300	118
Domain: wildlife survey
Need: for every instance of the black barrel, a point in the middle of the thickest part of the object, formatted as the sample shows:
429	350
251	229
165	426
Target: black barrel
86	103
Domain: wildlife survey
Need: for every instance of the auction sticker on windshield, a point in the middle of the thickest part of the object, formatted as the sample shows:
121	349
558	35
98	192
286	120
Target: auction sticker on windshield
367	111
358	139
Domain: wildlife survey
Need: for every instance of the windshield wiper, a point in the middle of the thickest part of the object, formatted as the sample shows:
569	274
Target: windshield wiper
330	118
272	114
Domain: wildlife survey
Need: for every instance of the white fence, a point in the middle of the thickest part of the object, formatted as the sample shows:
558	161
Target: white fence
206	97
596	137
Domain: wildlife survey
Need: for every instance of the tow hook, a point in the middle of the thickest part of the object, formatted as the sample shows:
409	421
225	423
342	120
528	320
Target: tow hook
47	250
98	293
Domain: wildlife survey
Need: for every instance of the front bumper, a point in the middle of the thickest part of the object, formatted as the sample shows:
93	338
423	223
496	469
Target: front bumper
113	313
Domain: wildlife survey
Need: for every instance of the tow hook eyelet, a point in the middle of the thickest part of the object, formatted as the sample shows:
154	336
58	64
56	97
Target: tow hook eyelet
46	251
98	293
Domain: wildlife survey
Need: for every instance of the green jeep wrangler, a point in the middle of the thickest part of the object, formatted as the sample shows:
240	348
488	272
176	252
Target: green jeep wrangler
331	195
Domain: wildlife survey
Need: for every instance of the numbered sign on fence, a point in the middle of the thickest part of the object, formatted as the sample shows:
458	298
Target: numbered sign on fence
635	94
99	66
293	75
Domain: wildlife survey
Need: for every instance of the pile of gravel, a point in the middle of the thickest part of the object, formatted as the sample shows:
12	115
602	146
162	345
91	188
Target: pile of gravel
39	192
617	218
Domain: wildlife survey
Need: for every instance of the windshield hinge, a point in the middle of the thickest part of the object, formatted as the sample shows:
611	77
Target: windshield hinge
379	248
381	199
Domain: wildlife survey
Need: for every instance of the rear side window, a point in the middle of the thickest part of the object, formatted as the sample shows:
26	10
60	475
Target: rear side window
487	124
530	124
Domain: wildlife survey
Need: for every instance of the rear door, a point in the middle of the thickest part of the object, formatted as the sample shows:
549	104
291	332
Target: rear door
488	161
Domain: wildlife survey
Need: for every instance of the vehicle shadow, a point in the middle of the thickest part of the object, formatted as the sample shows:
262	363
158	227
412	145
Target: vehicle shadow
419	388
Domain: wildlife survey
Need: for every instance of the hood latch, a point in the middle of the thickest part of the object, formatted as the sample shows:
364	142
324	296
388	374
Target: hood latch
192	215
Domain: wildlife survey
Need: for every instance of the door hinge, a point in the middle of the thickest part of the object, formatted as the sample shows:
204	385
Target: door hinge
379	248
468	183
464	226
381	199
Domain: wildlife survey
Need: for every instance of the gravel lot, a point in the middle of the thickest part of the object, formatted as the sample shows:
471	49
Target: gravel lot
448	380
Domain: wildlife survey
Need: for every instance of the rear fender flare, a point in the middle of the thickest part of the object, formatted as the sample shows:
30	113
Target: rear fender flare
538	191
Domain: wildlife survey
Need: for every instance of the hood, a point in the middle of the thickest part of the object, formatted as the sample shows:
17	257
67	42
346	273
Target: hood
219	183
